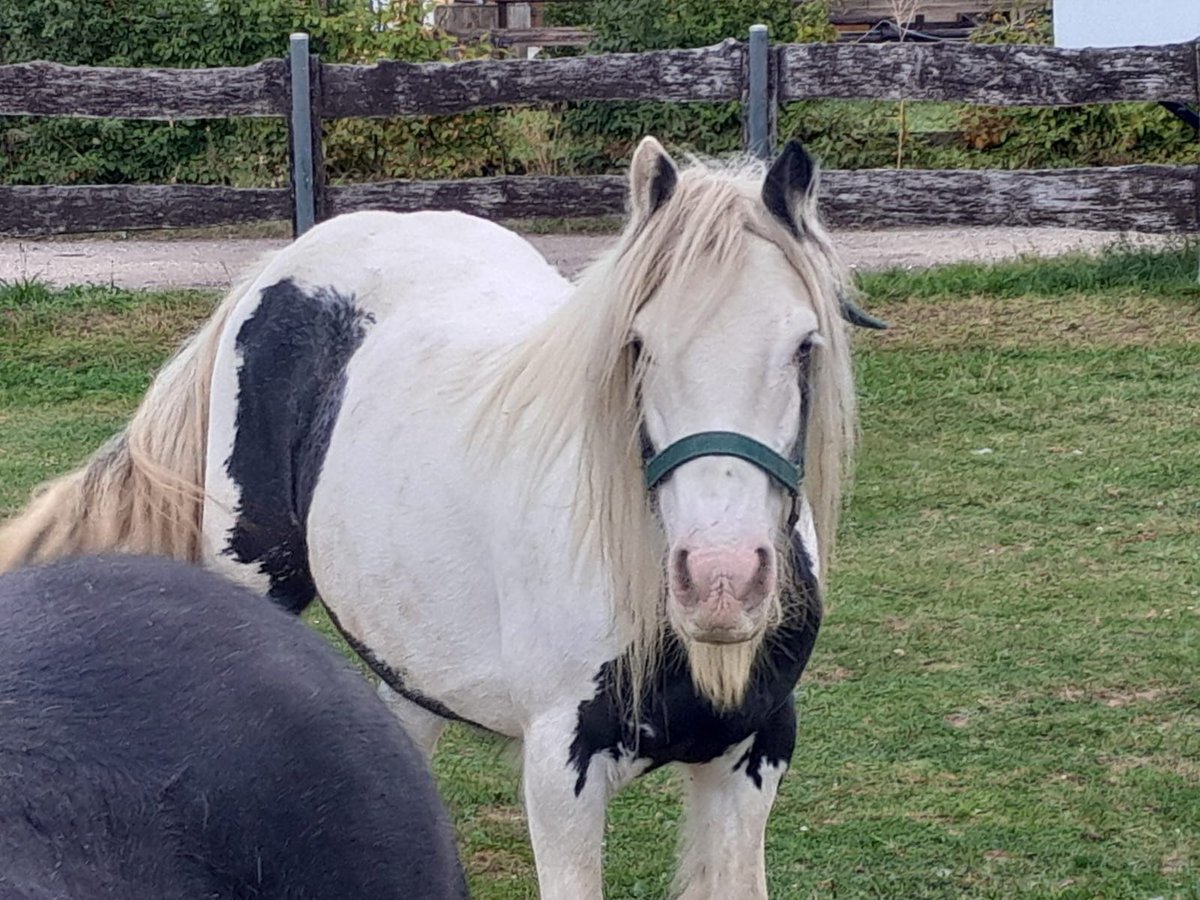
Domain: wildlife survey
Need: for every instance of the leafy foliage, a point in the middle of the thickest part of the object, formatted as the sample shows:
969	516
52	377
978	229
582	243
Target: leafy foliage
852	135
1095	135
867	135
574	138
196	33
176	33
604	134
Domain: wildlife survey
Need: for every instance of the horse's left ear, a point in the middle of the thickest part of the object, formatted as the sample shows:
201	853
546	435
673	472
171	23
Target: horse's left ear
652	179
791	185
857	316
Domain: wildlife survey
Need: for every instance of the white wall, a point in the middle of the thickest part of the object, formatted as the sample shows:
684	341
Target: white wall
1125	23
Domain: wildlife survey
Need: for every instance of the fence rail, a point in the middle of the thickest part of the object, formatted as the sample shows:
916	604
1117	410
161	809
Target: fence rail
994	75
710	74
1145	198
51	89
1161	199
27	210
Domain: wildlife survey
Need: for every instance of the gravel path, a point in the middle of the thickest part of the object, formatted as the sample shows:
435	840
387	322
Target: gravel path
212	263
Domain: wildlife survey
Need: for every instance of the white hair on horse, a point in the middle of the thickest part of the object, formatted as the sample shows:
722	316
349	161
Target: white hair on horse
576	375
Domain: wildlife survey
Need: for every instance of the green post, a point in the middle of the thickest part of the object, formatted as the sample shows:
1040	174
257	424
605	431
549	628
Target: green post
303	201
759	99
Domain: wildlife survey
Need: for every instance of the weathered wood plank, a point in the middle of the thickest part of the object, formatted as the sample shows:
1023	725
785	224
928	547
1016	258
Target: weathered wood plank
1157	199
54	209
51	89
516	197
1163	199
404	89
1000	75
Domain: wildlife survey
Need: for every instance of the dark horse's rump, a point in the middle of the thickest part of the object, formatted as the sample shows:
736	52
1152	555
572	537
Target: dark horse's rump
164	734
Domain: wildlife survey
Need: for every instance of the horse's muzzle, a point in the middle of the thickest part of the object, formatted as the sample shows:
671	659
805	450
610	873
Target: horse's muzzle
718	595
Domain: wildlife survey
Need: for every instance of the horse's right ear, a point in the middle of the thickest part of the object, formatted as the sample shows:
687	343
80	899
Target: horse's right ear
652	179
791	185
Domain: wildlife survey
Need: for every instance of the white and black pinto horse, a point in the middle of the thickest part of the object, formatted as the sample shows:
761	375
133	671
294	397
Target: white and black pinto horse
591	517
164	735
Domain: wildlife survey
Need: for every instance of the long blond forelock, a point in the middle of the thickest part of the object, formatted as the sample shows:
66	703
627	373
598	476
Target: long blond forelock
575	376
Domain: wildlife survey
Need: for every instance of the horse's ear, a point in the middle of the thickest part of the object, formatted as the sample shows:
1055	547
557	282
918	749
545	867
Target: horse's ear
652	179
791	186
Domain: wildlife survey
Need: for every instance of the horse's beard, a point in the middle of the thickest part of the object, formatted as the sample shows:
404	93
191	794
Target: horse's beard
722	672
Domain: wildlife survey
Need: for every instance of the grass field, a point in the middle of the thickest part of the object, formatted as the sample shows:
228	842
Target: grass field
1005	700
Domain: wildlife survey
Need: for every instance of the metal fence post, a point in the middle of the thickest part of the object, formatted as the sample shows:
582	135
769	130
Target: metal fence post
300	125
759	99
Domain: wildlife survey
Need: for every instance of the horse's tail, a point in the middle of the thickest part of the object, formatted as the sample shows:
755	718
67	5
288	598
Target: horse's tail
143	491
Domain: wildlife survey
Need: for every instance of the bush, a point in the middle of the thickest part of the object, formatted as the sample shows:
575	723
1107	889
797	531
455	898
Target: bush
603	134
572	138
1095	135
881	135
853	135
175	33
195	33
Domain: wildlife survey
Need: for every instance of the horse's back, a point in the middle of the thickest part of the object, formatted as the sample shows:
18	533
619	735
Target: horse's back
439	262
167	734
408	291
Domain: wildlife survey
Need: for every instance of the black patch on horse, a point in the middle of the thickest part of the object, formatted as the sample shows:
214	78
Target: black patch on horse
294	351
678	725
167	735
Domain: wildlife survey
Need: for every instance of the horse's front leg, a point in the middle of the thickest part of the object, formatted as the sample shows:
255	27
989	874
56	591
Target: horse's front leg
728	801
565	809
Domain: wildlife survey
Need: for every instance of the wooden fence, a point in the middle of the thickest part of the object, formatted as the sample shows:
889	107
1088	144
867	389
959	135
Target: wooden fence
1140	197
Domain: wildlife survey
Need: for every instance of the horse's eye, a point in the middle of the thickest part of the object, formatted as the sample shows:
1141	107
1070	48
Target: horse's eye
804	351
635	350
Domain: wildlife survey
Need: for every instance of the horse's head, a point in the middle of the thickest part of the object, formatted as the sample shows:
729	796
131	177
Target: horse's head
703	371
741	376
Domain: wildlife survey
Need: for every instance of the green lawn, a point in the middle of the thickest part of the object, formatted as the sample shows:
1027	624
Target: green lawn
1005	700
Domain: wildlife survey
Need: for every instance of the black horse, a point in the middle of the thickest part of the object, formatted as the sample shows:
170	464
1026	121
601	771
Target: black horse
165	734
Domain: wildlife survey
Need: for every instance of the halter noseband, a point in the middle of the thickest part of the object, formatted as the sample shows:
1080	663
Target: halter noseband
777	467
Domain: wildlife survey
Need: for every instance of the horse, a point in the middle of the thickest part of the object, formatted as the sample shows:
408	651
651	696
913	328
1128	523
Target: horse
167	734
591	516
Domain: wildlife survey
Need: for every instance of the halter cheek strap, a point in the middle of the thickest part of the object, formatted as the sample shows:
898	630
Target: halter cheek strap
778	468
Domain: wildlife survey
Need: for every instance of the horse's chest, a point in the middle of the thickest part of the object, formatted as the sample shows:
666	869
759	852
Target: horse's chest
684	728
678	725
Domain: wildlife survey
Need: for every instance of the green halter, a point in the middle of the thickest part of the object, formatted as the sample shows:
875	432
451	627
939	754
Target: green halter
778	468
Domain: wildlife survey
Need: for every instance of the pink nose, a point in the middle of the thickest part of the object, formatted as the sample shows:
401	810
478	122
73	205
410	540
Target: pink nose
729	579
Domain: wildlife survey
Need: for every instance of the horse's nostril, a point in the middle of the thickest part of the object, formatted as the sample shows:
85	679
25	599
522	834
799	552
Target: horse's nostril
683	577
766	569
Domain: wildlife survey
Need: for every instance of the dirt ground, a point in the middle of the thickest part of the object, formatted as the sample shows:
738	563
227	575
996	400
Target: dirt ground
216	263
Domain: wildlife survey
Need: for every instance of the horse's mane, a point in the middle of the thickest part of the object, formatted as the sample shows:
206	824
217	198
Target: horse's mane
575	376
